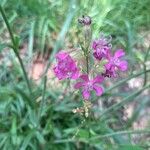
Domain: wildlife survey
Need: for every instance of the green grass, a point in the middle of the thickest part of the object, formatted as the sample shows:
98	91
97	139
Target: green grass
40	116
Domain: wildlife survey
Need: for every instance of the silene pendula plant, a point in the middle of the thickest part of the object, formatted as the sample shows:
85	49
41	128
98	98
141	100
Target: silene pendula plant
100	63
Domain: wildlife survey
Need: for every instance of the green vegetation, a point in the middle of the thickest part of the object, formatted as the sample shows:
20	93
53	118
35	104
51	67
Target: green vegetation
37	115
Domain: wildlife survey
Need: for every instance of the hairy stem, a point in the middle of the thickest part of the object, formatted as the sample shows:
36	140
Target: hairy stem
87	64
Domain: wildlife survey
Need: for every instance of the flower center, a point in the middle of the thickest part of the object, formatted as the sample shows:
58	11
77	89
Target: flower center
116	61
89	86
69	74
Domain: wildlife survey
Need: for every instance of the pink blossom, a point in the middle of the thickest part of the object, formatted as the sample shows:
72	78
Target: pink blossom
101	47
115	63
88	85
66	67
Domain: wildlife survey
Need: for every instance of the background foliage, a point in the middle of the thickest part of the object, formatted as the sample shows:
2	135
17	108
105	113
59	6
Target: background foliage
44	119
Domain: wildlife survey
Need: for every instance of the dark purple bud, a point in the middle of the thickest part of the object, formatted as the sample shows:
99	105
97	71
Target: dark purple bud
85	20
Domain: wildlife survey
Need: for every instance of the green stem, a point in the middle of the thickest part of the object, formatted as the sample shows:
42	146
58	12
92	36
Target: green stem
86	54
125	80
125	100
144	67
145	74
43	98
15	48
87	64
146	131
122	132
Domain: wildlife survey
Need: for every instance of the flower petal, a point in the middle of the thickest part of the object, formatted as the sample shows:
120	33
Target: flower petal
94	44
78	85
84	77
57	73
61	55
119	53
86	94
75	74
123	66
99	90
98	79
98	57
108	66
66	67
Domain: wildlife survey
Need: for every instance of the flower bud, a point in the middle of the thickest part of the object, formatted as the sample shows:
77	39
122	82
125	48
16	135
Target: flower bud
85	20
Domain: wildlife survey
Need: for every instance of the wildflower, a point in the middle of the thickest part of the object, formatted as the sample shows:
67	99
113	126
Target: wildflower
115	63
101	47
66	67
88	85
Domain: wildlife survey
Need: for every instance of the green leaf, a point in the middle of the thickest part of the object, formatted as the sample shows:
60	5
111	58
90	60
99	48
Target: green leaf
139	56
40	137
27	140
14	131
2	46
130	147
83	134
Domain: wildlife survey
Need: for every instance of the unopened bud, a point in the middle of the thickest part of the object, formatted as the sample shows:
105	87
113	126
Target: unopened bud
85	20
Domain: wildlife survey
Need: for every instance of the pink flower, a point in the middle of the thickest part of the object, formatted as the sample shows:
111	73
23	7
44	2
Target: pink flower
115	63
88	85
101	47
66	67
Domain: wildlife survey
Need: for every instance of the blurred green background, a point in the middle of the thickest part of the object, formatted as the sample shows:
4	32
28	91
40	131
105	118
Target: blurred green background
44	120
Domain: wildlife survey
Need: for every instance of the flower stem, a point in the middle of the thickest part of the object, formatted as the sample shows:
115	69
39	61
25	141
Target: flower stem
15	48
87	64
144	66
43	98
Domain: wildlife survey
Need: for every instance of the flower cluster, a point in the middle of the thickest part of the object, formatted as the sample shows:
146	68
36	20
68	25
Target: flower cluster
101	49
66	67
